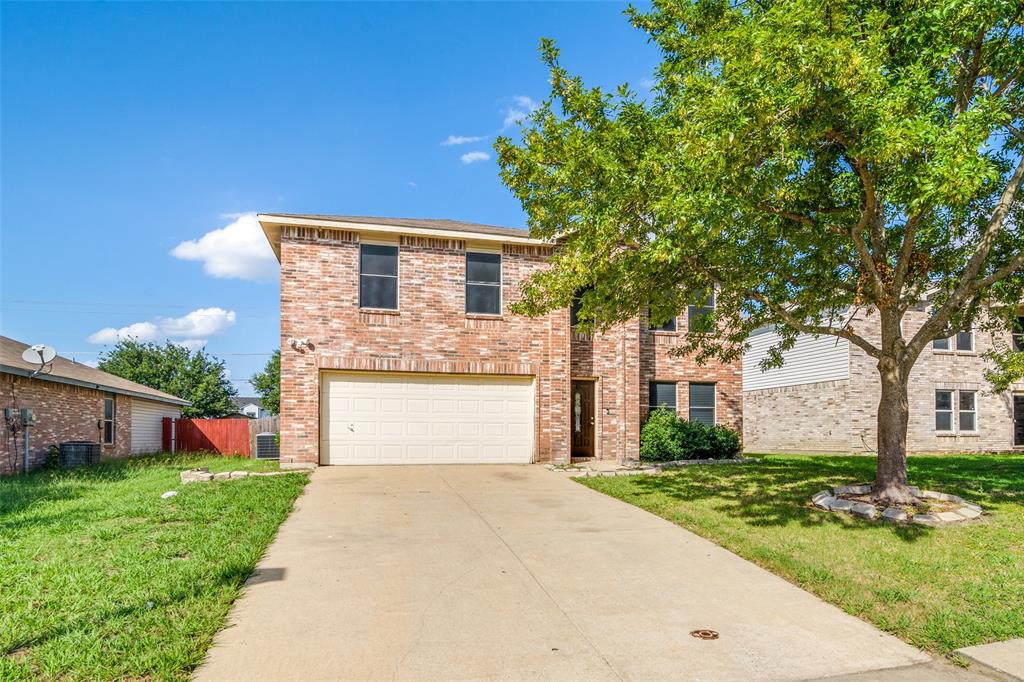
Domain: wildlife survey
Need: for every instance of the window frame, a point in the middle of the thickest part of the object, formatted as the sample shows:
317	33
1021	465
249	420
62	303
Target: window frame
652	403
691	310
714	400
1017	335
112	420
950	410
953	343
499	284
970	334
397	276
960	411
672	322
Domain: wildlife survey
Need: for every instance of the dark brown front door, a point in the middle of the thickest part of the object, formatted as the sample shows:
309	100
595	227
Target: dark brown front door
581	418
1018	420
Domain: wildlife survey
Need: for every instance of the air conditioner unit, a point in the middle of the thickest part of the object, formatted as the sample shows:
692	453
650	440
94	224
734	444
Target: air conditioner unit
266	446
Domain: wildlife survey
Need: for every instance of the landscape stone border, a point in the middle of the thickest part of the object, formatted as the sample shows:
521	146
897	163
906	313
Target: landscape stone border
583	471
203	474
829	500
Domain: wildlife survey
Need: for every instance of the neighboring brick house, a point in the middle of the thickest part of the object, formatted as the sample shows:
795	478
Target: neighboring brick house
825	397
398	347
71	401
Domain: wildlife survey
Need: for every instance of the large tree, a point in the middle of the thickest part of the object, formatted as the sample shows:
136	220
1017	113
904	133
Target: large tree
267	383
804	159
195	376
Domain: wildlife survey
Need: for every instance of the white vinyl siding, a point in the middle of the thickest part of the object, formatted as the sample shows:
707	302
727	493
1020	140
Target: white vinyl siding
811	360
382	418
147	424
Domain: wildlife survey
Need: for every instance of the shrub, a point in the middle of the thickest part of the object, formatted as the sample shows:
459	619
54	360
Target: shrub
665	437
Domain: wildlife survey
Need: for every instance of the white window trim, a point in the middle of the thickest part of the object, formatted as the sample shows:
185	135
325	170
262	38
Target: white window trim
714	399
974	411
112	420
675	408
954	347
398	276
954	417
501	281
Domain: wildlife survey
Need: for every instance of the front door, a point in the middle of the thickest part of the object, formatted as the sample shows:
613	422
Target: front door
582	419
1018	420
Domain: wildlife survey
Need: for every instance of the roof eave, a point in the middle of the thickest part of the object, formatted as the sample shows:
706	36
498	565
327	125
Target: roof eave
18	371
272	224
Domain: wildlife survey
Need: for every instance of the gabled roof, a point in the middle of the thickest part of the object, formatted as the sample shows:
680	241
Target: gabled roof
64	371
242	401
441	227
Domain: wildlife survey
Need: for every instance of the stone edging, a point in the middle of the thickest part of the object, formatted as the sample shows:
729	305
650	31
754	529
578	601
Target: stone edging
587	472
829	501
202	475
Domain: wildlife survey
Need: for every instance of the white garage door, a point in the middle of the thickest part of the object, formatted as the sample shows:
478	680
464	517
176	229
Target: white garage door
148	423
375	418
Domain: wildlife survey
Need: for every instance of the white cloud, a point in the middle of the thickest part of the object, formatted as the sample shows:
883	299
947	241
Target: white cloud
189	330
192	344
140	331
473	157
462	139
201	322
522	106
238	250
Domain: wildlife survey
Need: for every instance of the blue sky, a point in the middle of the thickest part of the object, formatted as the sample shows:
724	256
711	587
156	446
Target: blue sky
136	138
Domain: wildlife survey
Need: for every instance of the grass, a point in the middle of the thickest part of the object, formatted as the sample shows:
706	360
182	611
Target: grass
936	588
102	579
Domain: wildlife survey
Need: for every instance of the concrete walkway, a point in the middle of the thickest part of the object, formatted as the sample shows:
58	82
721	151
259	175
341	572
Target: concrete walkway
516	573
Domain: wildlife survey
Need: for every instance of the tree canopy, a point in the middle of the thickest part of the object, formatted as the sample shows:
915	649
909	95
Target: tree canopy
194	376
804	159
267	383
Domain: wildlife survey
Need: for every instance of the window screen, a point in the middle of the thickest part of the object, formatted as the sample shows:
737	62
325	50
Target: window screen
663	395
108	421
943	410
940	344
968	418
702	403
1018	334
378	276
669	326
698	316
483	283
965	341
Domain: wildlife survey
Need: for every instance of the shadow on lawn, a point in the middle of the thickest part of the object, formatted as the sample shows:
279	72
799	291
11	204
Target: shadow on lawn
777	492
21	491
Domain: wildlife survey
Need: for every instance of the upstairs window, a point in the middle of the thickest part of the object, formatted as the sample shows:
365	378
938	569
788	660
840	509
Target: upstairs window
698	315
378	276
702	403
663	396
962	341
483	283
575	310
1018	335
669	326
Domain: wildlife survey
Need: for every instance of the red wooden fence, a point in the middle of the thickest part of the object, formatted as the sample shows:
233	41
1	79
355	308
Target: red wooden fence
226	436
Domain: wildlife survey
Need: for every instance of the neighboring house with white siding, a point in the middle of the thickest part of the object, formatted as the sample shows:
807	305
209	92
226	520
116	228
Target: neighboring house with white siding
70	401
825	396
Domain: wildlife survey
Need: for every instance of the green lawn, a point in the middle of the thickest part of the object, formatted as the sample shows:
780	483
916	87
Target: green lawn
102	579
939	589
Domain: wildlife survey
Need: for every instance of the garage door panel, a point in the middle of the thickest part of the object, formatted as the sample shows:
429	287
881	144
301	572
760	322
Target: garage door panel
402	419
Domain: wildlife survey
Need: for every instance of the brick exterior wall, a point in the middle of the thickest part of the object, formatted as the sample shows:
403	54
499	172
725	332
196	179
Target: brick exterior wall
62	413
432	333
784	419
807	418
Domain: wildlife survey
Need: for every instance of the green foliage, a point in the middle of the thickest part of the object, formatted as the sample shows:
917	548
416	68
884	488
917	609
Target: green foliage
194	376
805	158
1007	369
665	438
52	460
267	383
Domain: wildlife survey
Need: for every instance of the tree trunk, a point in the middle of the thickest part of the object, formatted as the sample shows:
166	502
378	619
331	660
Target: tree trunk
893	415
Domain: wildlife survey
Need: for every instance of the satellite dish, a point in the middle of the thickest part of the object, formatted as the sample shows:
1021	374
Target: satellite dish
39	354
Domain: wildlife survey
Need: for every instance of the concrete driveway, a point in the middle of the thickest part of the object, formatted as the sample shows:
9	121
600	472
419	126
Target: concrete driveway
517	573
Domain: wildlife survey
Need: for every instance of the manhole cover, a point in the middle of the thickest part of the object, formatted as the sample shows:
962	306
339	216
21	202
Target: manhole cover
704	634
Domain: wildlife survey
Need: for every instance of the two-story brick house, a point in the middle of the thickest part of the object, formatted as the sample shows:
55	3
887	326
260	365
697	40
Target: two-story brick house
825	397
398	347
